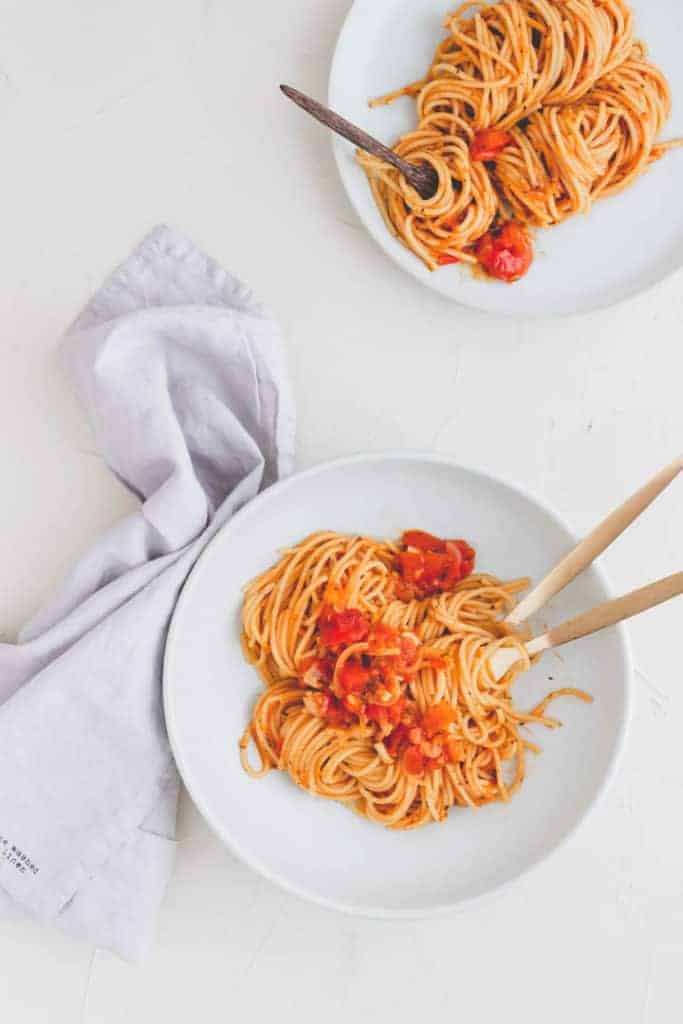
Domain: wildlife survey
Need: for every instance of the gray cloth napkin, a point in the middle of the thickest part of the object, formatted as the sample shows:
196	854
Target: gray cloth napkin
182	374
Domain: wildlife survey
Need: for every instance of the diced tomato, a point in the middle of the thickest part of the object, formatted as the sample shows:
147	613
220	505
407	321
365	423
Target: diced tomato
487	144
434	564
467	553
396	739
431	749
422	541
411	564
407	659
381	638
337	715
395	710
445	258
455	750
409	714
441	571
387	716
465	549
316	672
431	564
455	554
385	672
438	718
383	695
326	665
403	590
377	713
436	568
353	703
347	627
506	254
413	761
353	676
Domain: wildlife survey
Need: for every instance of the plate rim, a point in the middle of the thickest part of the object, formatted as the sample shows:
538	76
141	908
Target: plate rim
223	833
381	238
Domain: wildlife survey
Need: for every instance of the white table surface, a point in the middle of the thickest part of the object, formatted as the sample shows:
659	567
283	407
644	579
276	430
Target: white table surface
118	116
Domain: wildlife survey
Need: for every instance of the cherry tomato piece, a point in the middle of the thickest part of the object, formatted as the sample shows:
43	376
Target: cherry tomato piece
487	144
396	739
438	718
353	676
347	627
407	659
411	564
506	254
455	750
381	638
422	541
413	761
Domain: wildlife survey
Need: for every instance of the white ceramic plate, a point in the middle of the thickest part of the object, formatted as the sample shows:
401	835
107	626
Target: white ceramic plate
317	848
626	244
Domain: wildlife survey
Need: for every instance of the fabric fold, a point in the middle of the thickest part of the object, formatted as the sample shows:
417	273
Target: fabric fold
181	372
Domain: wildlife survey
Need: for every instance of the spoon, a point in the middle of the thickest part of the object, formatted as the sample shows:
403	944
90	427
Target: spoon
423	178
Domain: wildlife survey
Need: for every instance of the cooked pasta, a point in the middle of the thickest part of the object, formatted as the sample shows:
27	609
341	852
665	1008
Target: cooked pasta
531	110
378	691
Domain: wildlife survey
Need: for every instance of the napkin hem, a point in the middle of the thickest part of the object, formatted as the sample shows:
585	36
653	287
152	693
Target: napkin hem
99	848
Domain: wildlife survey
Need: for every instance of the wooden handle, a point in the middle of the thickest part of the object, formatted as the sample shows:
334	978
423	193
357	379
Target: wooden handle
609	613
594	544
422	178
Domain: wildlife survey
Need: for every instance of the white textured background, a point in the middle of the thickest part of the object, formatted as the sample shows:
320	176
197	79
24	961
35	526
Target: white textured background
117	116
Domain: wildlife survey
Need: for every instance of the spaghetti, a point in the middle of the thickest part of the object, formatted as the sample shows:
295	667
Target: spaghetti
530	111
378	691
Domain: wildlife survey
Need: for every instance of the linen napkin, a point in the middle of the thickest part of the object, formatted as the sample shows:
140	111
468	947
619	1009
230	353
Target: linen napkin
182	374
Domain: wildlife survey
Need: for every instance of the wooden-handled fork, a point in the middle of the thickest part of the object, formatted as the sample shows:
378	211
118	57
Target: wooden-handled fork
422	177
578	559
